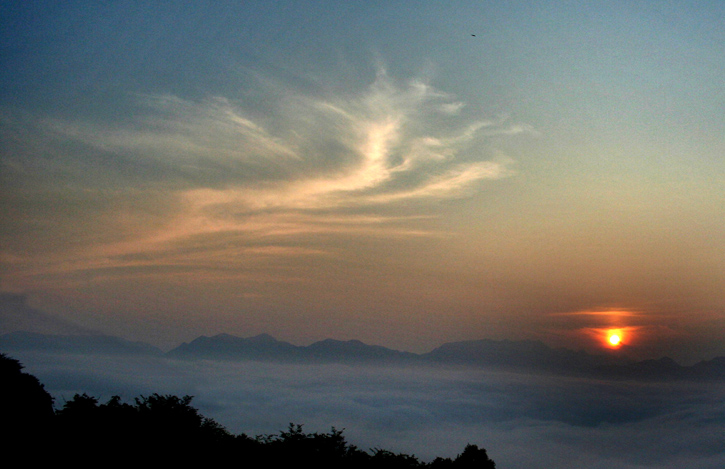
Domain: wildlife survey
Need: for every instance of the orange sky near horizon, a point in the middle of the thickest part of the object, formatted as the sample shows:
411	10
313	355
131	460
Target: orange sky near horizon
364	172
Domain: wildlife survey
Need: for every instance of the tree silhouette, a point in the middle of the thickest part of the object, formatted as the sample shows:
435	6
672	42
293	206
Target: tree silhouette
294	446
26	408
474	457
385	459
167	430
158	427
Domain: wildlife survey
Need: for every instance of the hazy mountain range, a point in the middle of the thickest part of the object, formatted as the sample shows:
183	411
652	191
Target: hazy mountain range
525	356
25	328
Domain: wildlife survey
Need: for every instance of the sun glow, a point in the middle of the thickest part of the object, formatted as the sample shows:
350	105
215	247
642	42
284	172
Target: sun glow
614	338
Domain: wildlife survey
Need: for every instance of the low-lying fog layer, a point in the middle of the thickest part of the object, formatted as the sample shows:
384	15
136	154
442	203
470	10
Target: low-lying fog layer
522	420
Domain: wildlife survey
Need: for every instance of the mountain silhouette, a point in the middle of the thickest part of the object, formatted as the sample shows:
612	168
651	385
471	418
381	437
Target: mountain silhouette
229	347
707	370
527	356
264	346
520	355
354	350
17	315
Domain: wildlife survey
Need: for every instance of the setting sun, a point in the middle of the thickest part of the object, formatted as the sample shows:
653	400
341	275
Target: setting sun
614	337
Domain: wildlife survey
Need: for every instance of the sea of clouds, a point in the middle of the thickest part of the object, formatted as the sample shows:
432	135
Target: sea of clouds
523	420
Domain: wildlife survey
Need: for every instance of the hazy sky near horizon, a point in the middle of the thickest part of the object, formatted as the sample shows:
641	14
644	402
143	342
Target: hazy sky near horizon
404	173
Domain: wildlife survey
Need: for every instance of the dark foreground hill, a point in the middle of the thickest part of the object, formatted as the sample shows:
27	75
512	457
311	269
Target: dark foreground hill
166	430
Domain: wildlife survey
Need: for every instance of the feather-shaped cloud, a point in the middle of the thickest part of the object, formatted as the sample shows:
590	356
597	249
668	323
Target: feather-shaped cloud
296	166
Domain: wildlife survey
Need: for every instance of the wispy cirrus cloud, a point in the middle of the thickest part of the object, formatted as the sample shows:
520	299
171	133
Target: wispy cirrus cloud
389	144
287	166
391	140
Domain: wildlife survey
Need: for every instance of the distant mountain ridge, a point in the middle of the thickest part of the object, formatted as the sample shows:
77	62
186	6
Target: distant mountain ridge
529	355
520	356
17	315
81	344
264	346
226	346
524	355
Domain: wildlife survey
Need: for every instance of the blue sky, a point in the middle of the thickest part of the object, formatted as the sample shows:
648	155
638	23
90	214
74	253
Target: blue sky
405	173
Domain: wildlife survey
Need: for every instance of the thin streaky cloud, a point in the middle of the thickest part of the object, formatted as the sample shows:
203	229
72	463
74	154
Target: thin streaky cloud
617	312
293	173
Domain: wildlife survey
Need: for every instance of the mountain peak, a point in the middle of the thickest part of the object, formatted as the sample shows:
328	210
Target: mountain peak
262	338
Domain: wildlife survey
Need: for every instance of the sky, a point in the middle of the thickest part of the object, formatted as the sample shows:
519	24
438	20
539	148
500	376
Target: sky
404	173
